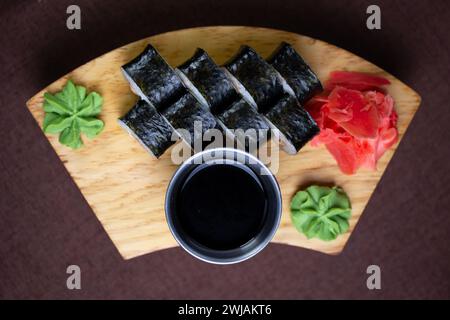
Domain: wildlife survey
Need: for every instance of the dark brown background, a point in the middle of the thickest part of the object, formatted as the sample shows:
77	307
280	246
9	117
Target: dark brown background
45	224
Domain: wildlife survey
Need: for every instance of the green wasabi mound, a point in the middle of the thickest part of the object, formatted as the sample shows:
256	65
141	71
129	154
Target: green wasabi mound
72	112
321	212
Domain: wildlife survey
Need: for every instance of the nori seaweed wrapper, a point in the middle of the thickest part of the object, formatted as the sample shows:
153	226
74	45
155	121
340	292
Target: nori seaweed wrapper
154	78
210	80
258	77
296	72
184	113
149	127
293	121
244	117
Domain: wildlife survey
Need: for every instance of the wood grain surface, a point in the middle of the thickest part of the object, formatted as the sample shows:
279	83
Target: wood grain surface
125	187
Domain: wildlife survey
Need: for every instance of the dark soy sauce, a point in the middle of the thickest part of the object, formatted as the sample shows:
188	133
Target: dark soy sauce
221	206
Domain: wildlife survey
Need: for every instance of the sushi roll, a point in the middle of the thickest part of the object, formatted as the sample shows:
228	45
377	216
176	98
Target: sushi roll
249	127
296	72
192	121
292	123
209	81
153	80
262	82
144	123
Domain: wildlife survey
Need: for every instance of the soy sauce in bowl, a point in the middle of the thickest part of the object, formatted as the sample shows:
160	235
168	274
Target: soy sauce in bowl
221	206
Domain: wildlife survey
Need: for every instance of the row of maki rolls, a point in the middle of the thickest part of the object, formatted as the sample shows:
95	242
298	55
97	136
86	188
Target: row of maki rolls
246	99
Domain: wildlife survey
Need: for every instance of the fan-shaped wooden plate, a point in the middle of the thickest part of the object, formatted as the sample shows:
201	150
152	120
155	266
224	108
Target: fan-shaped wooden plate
125	187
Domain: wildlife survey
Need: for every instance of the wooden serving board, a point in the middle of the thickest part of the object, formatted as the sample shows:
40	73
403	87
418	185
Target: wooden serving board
125	187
